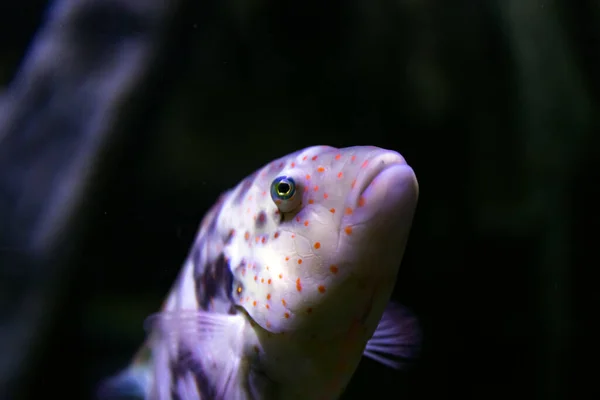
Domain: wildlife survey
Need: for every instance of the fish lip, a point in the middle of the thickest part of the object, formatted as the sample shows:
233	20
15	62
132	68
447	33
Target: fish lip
382	160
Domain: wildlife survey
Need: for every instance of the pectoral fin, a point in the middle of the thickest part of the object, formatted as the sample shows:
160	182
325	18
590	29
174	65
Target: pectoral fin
397	339
213	345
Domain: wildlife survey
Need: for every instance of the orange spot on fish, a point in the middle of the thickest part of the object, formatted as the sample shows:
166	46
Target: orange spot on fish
325	195
268	324
332	210
255	277
304	158
287	258
338	156
256	239
293	164
276	235
316	188
314	158
348	230
297	218
269	281
307	177
311	201
321	288
262	280
249	197
340	175
333	269
264	239
317	245
306	223
348	211
264	193
254	303
269	296
284	302
293	235
268	307
267	267
320	169
244	272
353	183
361	201
352	158
247	235
280	276
287	315
364	164
298	285
299	261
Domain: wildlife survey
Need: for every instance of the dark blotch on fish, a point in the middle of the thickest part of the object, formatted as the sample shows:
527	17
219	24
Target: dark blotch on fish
214	280
185	363
261	218
229	237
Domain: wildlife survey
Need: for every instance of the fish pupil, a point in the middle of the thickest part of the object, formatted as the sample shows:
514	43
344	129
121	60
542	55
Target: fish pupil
284	188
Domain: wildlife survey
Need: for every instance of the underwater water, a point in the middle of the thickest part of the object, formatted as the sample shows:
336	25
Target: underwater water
122	122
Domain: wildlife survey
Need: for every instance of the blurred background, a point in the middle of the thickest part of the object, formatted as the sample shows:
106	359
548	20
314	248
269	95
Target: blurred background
122	121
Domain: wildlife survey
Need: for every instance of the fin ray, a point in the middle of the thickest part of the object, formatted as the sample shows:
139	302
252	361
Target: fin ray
397	339
214	342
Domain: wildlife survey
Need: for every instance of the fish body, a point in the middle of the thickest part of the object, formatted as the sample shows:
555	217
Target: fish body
287	284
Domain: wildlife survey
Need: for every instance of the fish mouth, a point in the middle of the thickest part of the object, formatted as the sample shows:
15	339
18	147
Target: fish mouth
375	168
385	186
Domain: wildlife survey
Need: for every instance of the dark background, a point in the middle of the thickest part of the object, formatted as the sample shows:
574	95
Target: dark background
493	103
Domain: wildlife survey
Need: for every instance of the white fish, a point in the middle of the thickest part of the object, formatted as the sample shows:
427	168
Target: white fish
287	284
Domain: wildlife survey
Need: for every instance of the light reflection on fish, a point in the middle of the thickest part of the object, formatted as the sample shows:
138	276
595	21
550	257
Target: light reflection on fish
287	284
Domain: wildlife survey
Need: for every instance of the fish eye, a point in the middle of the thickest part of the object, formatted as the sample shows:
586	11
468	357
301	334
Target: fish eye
283	193
283	188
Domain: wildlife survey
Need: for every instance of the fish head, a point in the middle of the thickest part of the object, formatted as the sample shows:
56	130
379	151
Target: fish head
314	239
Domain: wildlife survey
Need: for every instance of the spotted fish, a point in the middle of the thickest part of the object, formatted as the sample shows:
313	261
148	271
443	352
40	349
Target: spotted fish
287	284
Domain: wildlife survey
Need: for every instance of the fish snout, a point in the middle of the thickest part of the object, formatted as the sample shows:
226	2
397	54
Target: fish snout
386	190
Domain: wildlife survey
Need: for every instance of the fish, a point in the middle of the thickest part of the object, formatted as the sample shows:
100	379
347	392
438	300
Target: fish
287	285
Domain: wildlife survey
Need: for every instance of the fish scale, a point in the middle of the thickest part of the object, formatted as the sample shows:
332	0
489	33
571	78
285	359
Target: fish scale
287	283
